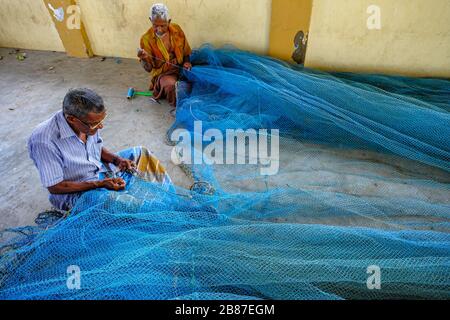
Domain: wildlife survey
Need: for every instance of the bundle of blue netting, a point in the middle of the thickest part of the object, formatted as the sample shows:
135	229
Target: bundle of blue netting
357	208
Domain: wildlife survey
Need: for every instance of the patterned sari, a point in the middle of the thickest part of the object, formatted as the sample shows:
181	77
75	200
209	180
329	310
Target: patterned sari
164	75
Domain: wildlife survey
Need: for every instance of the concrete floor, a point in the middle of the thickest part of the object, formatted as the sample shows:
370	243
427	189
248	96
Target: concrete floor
33	89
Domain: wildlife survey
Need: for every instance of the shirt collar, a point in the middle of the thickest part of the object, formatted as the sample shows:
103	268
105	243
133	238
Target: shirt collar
65	131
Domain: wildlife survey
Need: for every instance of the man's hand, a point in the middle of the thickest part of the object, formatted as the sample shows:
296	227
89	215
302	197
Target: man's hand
114	184
187	66
124	164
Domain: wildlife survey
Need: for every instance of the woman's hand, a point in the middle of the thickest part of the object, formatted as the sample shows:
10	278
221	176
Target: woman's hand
173	62
147	66
187	66
143	55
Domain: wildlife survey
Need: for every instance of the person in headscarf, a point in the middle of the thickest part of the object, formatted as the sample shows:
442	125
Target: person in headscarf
164	52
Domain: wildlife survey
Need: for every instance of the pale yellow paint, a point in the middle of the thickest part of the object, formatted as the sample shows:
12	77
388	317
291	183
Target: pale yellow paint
288	17
414	38
27	24
114	27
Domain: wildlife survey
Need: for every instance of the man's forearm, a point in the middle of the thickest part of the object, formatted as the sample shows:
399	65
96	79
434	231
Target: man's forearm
109	157
67	187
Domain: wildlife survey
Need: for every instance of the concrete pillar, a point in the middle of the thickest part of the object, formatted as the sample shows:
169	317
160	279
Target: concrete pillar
66	16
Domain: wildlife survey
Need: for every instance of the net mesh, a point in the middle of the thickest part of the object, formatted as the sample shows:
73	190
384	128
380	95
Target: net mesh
363	181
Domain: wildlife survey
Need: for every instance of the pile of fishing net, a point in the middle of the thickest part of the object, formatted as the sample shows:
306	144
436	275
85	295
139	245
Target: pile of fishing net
362	183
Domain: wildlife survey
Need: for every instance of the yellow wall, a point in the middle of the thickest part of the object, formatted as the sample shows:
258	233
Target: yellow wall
288	17
414	38
114	27
27	24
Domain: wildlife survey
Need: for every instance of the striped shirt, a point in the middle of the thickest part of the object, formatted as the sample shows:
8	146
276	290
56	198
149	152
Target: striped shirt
60	155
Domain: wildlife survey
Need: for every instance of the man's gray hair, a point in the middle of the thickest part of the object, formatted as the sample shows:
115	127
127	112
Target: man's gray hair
159	11
80	102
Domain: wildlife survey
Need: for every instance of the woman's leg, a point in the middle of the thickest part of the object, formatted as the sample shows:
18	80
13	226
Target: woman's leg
167	85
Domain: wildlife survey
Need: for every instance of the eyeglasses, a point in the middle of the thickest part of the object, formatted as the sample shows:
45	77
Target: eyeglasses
90	126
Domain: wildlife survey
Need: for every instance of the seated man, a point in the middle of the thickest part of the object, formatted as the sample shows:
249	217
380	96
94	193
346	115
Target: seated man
164	52
68	151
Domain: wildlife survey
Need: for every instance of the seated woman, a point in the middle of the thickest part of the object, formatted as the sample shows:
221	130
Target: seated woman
164	52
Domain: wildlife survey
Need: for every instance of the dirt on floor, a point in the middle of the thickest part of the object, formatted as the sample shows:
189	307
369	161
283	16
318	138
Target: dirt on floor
32	90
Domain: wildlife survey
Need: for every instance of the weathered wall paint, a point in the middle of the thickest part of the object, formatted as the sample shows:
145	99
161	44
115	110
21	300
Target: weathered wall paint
70	27
27	24
414	38
288	17
114	27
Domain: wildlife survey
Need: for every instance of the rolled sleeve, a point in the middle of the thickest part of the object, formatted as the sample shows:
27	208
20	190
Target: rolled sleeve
48	162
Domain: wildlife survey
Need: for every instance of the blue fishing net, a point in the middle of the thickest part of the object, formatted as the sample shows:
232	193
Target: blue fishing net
363	181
